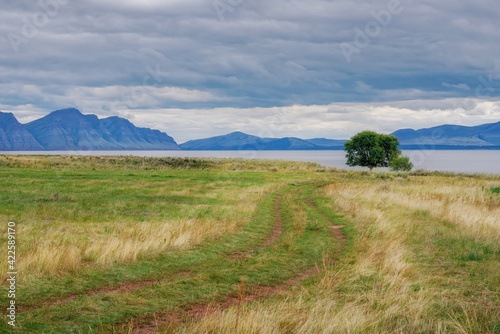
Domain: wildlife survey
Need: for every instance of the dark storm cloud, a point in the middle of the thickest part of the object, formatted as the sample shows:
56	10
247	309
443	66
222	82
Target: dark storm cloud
128	57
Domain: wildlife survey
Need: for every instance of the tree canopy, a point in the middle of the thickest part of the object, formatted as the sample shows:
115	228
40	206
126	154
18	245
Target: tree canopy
371	149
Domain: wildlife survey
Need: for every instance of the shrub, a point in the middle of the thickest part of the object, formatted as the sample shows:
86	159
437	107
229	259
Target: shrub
401	163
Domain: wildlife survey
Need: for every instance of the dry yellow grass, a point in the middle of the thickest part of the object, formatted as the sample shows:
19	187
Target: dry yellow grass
380	287
400	275
67	246
321	309
463	202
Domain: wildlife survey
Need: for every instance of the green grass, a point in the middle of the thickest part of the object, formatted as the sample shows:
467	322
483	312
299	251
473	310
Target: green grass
212	276
56	198
410	260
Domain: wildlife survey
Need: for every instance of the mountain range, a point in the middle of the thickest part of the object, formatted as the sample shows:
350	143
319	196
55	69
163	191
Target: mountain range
242	141
451	136
444	137
69	129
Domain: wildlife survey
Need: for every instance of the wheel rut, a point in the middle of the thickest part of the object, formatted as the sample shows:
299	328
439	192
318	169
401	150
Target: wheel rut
123	288
198	311
195	311
335	230
276	232
278	224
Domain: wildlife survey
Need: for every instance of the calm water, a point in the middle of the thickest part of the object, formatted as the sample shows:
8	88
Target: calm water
477	161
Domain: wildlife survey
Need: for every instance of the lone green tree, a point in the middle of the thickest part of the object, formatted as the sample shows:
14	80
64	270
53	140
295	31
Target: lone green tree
371	149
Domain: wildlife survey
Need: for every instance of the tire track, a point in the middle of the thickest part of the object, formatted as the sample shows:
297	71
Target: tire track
335	230
278	224
255	293
125	287
122	288
276	232
148	323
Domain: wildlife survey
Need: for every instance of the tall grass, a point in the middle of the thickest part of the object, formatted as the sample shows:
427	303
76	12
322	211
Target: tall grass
68	248
67	221
421	255
460	201
165	163
414	234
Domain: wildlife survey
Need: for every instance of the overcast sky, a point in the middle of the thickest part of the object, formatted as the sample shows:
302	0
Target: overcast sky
198	68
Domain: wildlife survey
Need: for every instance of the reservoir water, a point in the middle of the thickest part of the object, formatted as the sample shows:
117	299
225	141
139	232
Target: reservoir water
457	161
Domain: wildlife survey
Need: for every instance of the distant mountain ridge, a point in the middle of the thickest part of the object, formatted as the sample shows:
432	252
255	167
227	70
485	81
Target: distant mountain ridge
444	137
481	136
14	137
69	129
242	141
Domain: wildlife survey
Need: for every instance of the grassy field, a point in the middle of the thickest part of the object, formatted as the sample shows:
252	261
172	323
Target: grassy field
168	245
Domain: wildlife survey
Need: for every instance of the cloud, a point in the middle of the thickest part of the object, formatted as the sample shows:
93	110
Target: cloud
336	121
456	86
145	96
263	56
